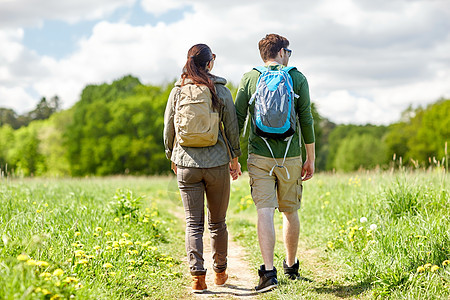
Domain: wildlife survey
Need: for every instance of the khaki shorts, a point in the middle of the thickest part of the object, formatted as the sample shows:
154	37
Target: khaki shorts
277	190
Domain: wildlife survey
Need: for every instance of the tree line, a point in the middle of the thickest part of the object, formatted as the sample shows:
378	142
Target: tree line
117	129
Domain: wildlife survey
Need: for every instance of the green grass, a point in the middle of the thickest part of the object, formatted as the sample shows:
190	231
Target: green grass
111	238
132	244
341	257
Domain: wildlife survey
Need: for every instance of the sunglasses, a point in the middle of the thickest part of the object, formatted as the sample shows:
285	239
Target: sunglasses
288	51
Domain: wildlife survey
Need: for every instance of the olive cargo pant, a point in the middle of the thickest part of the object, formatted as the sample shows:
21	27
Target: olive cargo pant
193	184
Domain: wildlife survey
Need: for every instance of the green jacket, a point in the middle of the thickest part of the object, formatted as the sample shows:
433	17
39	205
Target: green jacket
302	107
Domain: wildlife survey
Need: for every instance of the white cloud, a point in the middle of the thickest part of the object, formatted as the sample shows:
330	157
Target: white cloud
365	62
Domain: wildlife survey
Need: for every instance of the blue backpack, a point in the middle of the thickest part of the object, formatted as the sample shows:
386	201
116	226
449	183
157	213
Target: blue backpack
274	114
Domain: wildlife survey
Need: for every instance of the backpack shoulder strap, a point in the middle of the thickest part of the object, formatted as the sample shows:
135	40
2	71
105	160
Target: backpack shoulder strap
287	69
261	69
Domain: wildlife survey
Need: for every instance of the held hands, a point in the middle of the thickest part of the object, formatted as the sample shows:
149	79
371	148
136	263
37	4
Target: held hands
235	168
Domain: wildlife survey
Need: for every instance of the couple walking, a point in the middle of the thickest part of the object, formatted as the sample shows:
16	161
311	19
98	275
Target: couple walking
201	138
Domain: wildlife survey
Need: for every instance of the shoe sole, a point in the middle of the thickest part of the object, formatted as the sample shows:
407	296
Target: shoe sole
219	284
267	288
199	291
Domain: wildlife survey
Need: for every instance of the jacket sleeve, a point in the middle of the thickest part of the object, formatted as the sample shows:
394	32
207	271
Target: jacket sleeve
230	123
241	103
169	127
304	110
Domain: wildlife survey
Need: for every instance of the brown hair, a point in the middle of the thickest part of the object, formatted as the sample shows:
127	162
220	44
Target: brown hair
271	45
198	58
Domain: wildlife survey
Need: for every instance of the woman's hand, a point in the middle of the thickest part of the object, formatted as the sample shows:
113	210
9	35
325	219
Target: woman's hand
174	167
235	168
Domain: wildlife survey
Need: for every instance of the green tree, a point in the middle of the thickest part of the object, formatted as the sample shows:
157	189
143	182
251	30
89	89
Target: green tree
6	142
25	155
341	132
360	151
421	135
434	131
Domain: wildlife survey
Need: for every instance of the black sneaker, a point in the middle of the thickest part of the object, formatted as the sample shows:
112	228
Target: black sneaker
267	280
291	272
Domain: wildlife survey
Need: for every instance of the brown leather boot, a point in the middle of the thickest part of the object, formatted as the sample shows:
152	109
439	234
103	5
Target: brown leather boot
198	283
220	278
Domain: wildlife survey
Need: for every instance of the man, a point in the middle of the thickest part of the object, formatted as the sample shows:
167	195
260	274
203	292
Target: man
277	185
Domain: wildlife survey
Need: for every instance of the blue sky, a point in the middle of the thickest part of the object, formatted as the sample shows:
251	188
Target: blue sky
365	61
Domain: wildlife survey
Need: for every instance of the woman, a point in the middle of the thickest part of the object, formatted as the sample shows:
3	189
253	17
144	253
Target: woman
203	169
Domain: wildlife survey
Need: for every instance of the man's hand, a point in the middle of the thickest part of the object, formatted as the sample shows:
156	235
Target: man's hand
308	170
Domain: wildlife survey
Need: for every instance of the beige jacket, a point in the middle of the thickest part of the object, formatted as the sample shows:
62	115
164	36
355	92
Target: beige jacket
204	157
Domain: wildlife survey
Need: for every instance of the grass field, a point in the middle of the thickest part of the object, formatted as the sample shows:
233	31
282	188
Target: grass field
363	236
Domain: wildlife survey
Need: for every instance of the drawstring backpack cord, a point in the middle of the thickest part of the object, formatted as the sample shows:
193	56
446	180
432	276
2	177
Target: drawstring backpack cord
284	158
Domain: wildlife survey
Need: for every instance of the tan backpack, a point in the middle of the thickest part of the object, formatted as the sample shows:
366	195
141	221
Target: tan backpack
196	124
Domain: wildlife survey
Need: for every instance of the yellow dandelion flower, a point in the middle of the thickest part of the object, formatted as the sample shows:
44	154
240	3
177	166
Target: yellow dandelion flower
23	257
98	229
132	276
45	274
330	245
77	233
95	234
58	272
108	265
55	297
108	233
82	262
41	263
37	290
34	202
137	243
132	261
46	292
446	262
38	210
116	220
125	235
97	247
108	247
112	273
434	268
70	280
128	243
420	269
79	253
90	256
145	220
426	266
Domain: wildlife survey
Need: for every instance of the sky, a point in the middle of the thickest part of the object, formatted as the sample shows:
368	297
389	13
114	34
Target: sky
365	61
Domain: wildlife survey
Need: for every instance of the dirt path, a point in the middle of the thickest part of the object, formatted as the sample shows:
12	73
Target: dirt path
241	280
